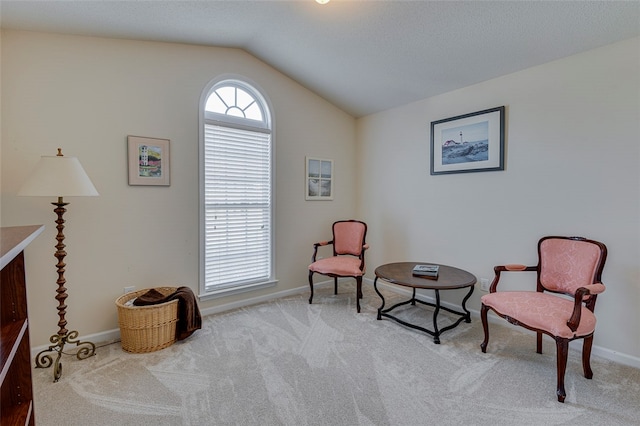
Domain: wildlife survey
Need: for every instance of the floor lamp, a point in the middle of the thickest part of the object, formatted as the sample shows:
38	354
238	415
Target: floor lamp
60	176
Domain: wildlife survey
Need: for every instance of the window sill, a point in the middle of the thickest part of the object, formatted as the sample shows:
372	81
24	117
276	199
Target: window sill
216	294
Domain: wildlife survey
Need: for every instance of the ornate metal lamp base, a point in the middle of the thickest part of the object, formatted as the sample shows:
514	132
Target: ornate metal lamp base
44	360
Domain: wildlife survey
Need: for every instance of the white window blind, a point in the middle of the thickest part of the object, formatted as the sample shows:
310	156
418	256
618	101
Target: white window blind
237	204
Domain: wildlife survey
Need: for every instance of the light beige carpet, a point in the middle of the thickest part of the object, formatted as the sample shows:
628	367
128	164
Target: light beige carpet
286	362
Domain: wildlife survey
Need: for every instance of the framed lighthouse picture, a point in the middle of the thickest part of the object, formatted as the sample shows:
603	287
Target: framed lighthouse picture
148	161
468	143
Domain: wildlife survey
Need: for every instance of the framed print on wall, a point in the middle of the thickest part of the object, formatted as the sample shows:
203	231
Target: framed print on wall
319	179
148	161
468	143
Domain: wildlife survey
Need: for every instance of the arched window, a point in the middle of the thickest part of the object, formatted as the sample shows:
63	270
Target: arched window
236	150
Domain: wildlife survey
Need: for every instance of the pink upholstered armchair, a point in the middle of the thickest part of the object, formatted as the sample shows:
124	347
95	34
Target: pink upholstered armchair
348	256
570	266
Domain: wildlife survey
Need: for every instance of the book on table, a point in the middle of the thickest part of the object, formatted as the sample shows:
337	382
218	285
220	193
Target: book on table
430	271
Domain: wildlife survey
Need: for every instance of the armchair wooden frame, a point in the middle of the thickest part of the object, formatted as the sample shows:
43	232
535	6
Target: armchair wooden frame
584	295
353	263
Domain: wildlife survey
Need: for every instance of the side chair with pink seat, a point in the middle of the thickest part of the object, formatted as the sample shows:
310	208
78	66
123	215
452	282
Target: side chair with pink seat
567	266
349	246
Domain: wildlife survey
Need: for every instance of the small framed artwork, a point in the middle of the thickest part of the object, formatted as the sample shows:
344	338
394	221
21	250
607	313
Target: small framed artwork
148	161
468	143
319	179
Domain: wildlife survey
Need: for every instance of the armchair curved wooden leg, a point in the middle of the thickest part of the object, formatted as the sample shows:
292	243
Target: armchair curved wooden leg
311	285
562	346
586	356
358	292
485	326
335	285
539	342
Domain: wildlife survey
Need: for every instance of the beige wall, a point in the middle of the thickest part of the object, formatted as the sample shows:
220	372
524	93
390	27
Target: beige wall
572	168
86	95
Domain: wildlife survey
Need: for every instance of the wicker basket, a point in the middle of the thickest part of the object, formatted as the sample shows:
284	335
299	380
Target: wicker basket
147	328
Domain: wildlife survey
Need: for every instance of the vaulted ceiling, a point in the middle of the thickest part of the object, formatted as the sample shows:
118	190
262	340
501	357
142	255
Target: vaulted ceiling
363	56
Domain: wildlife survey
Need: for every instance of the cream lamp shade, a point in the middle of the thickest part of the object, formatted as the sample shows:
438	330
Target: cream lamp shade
58	176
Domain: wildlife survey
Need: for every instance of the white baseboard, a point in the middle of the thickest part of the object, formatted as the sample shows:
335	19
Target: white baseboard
600	351
260	299
99	339
112	336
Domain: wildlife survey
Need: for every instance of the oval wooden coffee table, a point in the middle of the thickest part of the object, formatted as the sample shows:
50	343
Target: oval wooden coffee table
449	278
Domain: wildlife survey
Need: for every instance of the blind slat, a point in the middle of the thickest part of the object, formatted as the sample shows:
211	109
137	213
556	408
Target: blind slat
237	199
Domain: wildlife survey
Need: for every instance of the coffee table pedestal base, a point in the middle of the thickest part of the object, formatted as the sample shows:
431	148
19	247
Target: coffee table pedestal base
464	316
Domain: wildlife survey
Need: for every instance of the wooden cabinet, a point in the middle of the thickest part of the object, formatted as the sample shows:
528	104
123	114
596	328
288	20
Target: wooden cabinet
16	391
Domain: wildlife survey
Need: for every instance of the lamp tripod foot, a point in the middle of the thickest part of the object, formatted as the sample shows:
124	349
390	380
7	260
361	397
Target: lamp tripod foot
45	360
